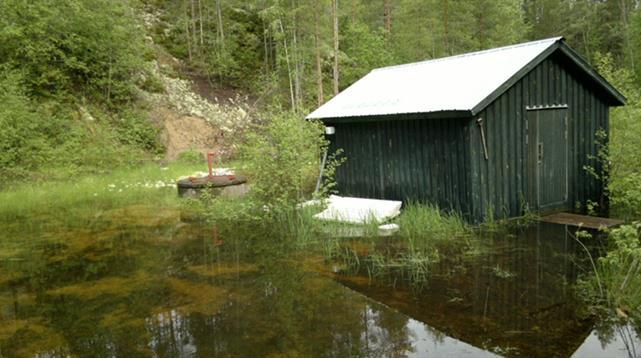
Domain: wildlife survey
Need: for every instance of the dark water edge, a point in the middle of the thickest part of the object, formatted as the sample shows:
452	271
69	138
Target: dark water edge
137	281
515	299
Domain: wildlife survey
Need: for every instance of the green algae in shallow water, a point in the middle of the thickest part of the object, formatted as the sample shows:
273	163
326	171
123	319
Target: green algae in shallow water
117	286
9	327
142	215
222	269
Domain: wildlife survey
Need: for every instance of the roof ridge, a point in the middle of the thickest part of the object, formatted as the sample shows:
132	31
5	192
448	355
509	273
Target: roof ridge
469	54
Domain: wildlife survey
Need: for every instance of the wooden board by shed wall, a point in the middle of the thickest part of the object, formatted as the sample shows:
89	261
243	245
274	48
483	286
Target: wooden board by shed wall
422	160
499	185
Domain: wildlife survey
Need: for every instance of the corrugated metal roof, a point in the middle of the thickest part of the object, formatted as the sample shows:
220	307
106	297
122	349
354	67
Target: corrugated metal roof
457	83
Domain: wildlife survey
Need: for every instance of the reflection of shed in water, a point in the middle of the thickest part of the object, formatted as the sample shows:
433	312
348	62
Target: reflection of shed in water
517	298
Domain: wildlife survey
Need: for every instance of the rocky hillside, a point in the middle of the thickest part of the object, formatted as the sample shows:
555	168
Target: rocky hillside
191	111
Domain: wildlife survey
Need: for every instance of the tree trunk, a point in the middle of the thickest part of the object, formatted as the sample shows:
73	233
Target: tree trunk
193	21
626	35
295	58
289	68
200	17
219	15
446	28
335	23
319	70
109	81
266	47
481	25
387	16
353	12
188	36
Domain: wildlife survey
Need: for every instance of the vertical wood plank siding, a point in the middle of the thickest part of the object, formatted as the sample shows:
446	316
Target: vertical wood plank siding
500	184
441	161
410	160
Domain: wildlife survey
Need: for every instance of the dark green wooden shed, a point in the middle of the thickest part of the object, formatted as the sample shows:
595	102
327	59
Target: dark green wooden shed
493	132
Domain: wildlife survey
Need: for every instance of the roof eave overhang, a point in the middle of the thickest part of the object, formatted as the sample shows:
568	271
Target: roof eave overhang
396	116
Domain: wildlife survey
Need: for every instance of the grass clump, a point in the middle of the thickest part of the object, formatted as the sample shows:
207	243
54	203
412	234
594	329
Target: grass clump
191	156
427	222
616	283
426	236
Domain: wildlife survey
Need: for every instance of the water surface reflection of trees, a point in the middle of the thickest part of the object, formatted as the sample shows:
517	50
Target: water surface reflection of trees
127	288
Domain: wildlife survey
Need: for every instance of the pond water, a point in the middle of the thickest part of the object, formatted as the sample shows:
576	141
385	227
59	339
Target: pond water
138	281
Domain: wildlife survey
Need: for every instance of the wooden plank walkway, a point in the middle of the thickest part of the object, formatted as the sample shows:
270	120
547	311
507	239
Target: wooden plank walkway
589	222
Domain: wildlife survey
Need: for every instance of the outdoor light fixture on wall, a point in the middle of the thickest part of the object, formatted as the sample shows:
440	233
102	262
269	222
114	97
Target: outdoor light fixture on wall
330	130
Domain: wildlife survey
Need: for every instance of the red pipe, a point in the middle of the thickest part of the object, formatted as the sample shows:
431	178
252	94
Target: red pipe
210	162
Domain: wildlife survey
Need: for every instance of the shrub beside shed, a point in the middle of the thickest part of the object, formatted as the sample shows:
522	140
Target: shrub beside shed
494	132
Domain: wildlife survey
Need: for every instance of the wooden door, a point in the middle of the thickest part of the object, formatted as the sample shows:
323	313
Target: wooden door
548	159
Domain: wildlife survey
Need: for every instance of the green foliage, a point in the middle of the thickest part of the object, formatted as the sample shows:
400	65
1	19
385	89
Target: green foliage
191	156
69	72
22	136
634	48
622	156
432	29
213	208
66	46
625	196
616	284
134	129
36	140
281	159
364	50
427	222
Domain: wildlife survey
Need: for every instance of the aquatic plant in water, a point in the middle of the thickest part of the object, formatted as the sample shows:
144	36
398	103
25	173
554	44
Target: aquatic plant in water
616	283
409	256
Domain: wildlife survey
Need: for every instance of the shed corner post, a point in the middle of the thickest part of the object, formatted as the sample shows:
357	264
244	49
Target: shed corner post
474	157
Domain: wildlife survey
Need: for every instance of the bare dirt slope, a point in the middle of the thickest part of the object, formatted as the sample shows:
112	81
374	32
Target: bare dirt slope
190	111
191	121
180	133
